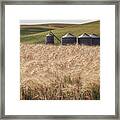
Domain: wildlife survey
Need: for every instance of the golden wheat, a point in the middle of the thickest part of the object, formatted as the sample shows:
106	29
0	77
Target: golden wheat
50	72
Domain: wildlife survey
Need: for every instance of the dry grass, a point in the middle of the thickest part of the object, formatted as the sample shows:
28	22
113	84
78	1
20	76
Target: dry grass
50	72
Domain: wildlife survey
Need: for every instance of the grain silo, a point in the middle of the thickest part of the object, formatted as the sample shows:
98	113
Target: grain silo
49	39
68	39
95	39
84	39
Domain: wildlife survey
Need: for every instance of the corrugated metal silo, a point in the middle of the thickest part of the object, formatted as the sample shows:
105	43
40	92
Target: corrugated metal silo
68	39
84	39
95	39
49	39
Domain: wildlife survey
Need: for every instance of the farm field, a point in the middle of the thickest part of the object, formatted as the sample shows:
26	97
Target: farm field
58	72
50	72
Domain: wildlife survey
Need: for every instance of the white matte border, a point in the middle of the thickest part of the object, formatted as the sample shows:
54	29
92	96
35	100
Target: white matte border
13	15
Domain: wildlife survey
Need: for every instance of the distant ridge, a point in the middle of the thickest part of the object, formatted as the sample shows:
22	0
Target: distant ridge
58	24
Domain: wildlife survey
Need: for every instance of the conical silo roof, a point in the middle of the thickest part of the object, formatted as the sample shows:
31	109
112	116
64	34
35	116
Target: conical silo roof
49	34
68	35
84	35
94	36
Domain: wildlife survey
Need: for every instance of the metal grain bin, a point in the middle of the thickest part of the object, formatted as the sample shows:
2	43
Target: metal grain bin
49	39
84	39
95	39
68	39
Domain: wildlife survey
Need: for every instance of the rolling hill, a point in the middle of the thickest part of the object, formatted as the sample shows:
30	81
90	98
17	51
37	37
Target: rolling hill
37	33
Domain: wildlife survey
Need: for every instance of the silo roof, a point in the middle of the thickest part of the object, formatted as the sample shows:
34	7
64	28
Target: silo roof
49	34
68	35
84	35
94	36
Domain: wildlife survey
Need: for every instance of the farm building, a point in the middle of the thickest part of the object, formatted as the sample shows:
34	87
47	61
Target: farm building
95	39
68	39
49	39
84	39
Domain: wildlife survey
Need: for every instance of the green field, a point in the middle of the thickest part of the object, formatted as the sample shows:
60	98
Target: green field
37	33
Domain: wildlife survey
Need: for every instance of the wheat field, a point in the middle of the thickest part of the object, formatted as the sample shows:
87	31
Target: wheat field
50	72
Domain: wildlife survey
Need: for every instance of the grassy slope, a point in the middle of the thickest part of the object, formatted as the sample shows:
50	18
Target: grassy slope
39	37
37	28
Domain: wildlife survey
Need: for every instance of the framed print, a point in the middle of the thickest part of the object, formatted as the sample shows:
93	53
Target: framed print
60	59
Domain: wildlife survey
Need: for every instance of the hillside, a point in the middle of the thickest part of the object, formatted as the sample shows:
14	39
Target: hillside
37	28
37	33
